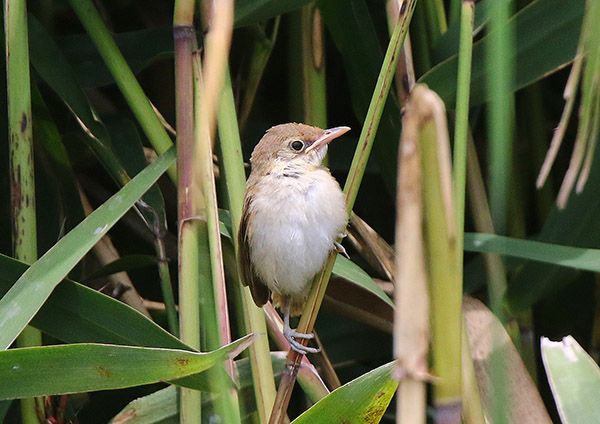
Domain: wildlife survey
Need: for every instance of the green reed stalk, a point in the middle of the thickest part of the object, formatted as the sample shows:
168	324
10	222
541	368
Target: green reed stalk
443	271
500	121
313	67
22	183
234	178
190	235
463	89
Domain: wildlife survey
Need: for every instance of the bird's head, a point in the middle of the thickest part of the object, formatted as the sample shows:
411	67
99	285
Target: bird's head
299	143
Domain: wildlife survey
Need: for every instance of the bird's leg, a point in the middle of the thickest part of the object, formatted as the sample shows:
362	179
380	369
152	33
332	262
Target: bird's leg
291	334
339	248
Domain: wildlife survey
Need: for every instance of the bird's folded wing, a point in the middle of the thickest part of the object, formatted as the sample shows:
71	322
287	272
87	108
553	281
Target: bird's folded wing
260	292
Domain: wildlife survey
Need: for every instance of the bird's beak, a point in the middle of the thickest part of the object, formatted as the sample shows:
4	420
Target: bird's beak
327	136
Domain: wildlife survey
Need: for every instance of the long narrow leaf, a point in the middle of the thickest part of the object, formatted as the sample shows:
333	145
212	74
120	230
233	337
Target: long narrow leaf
547	32
575	380
87	367
77	314
30	292
368	395
350	271
572	257
162	407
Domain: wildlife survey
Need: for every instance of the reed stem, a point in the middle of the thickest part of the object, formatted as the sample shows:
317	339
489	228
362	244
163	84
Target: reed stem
21	164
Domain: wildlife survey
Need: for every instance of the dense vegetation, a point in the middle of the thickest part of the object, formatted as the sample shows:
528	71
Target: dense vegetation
135	276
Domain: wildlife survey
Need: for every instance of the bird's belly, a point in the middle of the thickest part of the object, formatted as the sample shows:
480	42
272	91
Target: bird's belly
293	229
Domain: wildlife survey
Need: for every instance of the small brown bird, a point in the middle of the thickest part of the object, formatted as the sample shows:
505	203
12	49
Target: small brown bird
294	211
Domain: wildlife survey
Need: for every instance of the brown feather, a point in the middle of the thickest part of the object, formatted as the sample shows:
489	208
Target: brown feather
260	292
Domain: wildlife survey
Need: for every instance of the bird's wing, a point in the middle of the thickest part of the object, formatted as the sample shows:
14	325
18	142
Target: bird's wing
260	292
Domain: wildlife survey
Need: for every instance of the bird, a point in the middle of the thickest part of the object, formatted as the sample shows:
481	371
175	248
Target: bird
293	213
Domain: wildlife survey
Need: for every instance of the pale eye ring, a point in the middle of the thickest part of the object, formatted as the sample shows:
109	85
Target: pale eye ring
297	145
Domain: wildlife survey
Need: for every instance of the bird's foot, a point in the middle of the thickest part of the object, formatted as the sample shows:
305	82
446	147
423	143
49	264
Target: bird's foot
340	249
291	334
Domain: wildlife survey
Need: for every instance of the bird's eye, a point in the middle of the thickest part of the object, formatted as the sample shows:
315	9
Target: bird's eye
297	145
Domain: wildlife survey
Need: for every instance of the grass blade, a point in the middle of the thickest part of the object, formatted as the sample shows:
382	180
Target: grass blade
79	368
574	378
32	289
369	396
555	254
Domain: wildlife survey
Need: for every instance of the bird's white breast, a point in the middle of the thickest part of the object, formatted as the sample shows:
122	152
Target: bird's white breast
297	216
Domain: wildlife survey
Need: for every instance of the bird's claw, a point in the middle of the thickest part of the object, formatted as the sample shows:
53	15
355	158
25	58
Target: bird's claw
340	249
291	335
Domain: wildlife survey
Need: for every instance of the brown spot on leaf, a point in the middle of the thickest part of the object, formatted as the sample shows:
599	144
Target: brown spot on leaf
23	122
103	372
182	362
374	414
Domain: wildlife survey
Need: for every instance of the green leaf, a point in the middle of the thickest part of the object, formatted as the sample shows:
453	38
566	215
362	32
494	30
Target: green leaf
572	257
163	406
123	154
54	69
123	264
547	32
160	407
47	135
575	380
4	405
577	225
127	147
76	368
252	11
140	48
369	396
447	45
144	47
77	314
350	271
32	289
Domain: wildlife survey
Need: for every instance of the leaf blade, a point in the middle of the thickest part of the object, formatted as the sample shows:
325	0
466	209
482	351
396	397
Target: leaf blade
33	288
77	368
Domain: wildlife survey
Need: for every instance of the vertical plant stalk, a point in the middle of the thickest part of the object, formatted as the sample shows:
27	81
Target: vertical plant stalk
21	173
472	412
461	127
436	19
213	296
208	82
500	121
405	72
480	211
351	187
253	317
313	67
500	110
189	229
124	77
166	285
208	78
445	283
411	321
